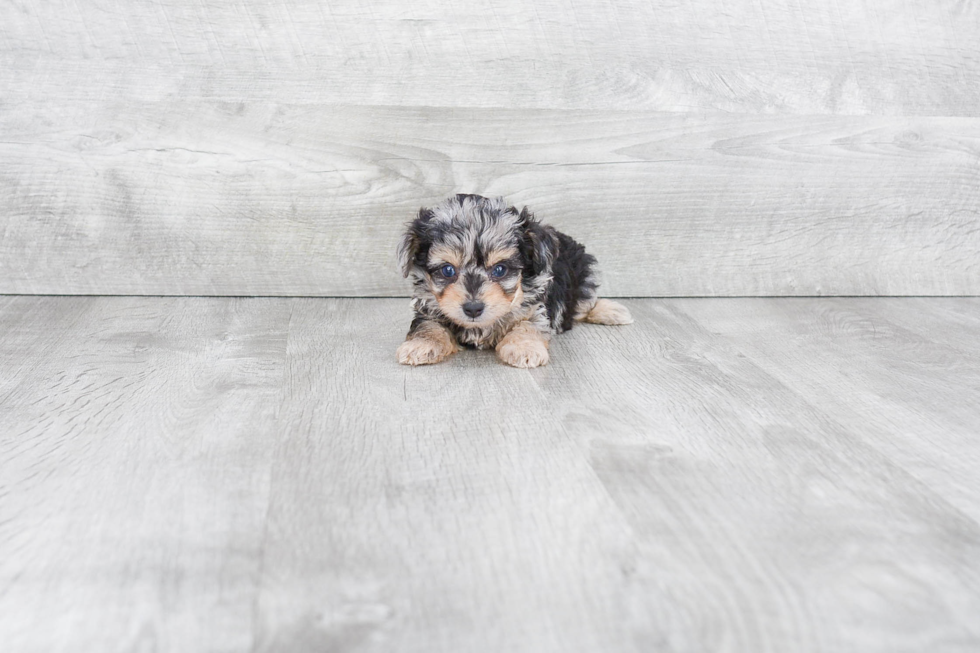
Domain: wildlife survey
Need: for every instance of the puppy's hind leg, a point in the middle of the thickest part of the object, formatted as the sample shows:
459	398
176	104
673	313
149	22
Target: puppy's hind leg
605	311
428	342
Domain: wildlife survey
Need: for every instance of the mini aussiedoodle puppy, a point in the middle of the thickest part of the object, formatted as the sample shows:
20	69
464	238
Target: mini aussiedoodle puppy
486	275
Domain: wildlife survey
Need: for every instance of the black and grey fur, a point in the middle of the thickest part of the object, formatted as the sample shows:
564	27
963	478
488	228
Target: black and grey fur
549	281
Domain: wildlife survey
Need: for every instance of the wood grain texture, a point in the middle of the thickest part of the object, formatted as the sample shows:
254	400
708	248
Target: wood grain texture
739	548
135	452
931	380
888	57
272	148
442	510
785	475
206	198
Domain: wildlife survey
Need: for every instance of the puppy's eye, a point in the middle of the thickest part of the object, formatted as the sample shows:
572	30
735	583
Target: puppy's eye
448	271
498	271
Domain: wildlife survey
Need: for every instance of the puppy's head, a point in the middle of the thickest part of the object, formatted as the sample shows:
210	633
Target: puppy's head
472	257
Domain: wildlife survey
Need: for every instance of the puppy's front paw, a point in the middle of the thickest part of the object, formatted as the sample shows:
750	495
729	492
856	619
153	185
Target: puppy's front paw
423	351
523	352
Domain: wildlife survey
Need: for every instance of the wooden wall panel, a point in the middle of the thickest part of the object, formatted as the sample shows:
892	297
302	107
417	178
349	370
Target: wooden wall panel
207	198
785	148
890	57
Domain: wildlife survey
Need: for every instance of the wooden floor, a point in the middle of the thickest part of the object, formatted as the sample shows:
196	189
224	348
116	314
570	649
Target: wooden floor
188	474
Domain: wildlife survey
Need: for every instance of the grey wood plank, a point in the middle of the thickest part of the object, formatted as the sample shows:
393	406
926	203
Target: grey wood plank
889	57
195	197
756	519
430	509
181	474
134	469
952	324
915	394
765	518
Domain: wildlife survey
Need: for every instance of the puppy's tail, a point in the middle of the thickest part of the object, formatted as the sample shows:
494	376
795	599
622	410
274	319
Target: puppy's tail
606	311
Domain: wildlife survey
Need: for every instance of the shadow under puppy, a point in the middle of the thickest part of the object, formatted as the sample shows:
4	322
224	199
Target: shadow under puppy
486	276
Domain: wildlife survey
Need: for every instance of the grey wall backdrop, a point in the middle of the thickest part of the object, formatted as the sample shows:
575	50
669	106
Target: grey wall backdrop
276	148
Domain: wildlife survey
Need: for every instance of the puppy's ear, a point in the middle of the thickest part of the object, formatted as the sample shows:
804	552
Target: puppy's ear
412	242
408	246
538	245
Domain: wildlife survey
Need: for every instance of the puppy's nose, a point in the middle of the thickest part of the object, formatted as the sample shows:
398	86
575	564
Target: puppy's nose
473	309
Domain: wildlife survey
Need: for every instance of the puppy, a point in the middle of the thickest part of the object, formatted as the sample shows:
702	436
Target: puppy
486	275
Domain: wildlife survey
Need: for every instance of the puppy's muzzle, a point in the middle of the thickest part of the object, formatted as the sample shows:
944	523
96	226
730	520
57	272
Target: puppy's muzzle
473	309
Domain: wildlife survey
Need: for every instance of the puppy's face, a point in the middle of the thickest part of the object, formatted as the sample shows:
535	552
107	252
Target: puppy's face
470	255
475	286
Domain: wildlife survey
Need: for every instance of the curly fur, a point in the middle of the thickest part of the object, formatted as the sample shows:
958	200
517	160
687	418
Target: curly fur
549	281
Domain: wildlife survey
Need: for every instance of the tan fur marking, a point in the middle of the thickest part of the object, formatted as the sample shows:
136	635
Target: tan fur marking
446	255
431	343
497	304
497	301
524	346
498	255
582	309
609	312
518	295
451	300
